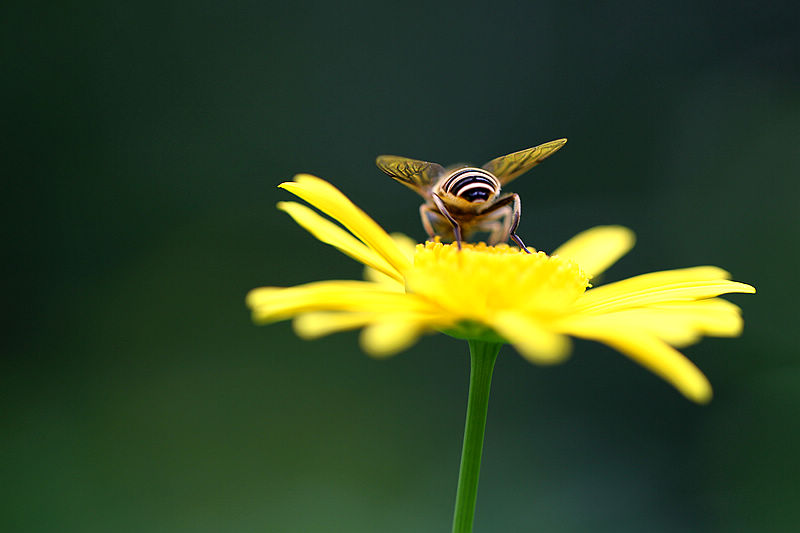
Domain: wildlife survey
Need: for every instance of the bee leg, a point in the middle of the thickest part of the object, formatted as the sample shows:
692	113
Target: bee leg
512	231
496	232
516	209
443	210
498	228
425	213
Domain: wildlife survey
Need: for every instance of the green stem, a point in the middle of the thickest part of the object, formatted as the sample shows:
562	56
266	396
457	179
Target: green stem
483	355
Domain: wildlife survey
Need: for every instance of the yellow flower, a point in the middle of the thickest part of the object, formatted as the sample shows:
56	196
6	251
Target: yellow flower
500	294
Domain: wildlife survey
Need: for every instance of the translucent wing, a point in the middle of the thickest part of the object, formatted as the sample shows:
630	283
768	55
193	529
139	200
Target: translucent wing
508	167
418	175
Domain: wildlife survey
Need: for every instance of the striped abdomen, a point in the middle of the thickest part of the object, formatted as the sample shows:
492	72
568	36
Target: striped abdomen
471	184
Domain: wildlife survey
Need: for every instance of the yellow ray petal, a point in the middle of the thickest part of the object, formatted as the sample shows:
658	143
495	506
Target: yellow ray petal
534	342
312	325
655	355
387	338
711	303
677	323
264	295
320	323
329	233
656	279
596	249
686	291
271	304
332	202
713	317
407	245
370	274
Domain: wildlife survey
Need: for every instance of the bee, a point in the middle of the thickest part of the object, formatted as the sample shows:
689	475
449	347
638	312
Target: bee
462	200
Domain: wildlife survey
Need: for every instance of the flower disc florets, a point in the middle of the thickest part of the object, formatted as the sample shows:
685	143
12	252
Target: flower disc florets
479	281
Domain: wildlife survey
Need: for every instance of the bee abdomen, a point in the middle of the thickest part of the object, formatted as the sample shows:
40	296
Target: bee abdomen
472	184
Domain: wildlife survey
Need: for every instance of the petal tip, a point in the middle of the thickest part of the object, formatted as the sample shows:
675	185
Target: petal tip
700	394
306	327
285	206
381	340
300	179
597	248
255	297
554	352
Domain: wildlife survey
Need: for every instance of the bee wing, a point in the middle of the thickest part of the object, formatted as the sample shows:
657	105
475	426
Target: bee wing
418	175
508	167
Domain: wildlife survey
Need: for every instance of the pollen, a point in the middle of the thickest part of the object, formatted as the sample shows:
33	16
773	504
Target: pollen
479	280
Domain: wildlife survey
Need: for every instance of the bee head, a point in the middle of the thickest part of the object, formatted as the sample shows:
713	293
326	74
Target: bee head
475	185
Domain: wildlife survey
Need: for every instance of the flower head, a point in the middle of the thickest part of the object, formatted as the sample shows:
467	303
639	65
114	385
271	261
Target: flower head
533	301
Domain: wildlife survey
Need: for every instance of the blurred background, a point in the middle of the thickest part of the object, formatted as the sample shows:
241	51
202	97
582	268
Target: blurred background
143	143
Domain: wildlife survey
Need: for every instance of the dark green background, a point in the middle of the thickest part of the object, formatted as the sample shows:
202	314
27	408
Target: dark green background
142	146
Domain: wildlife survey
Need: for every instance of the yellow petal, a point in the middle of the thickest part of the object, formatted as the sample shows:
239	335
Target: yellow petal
655	355
329	233
677	323
596	249
387	338
668	285
711	304
311	325
375	276
714	317
271	304
266	295
656	279
318	324
407	246
533	341
332	202
687	291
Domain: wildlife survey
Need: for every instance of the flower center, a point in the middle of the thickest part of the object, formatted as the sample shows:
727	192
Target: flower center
481	280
